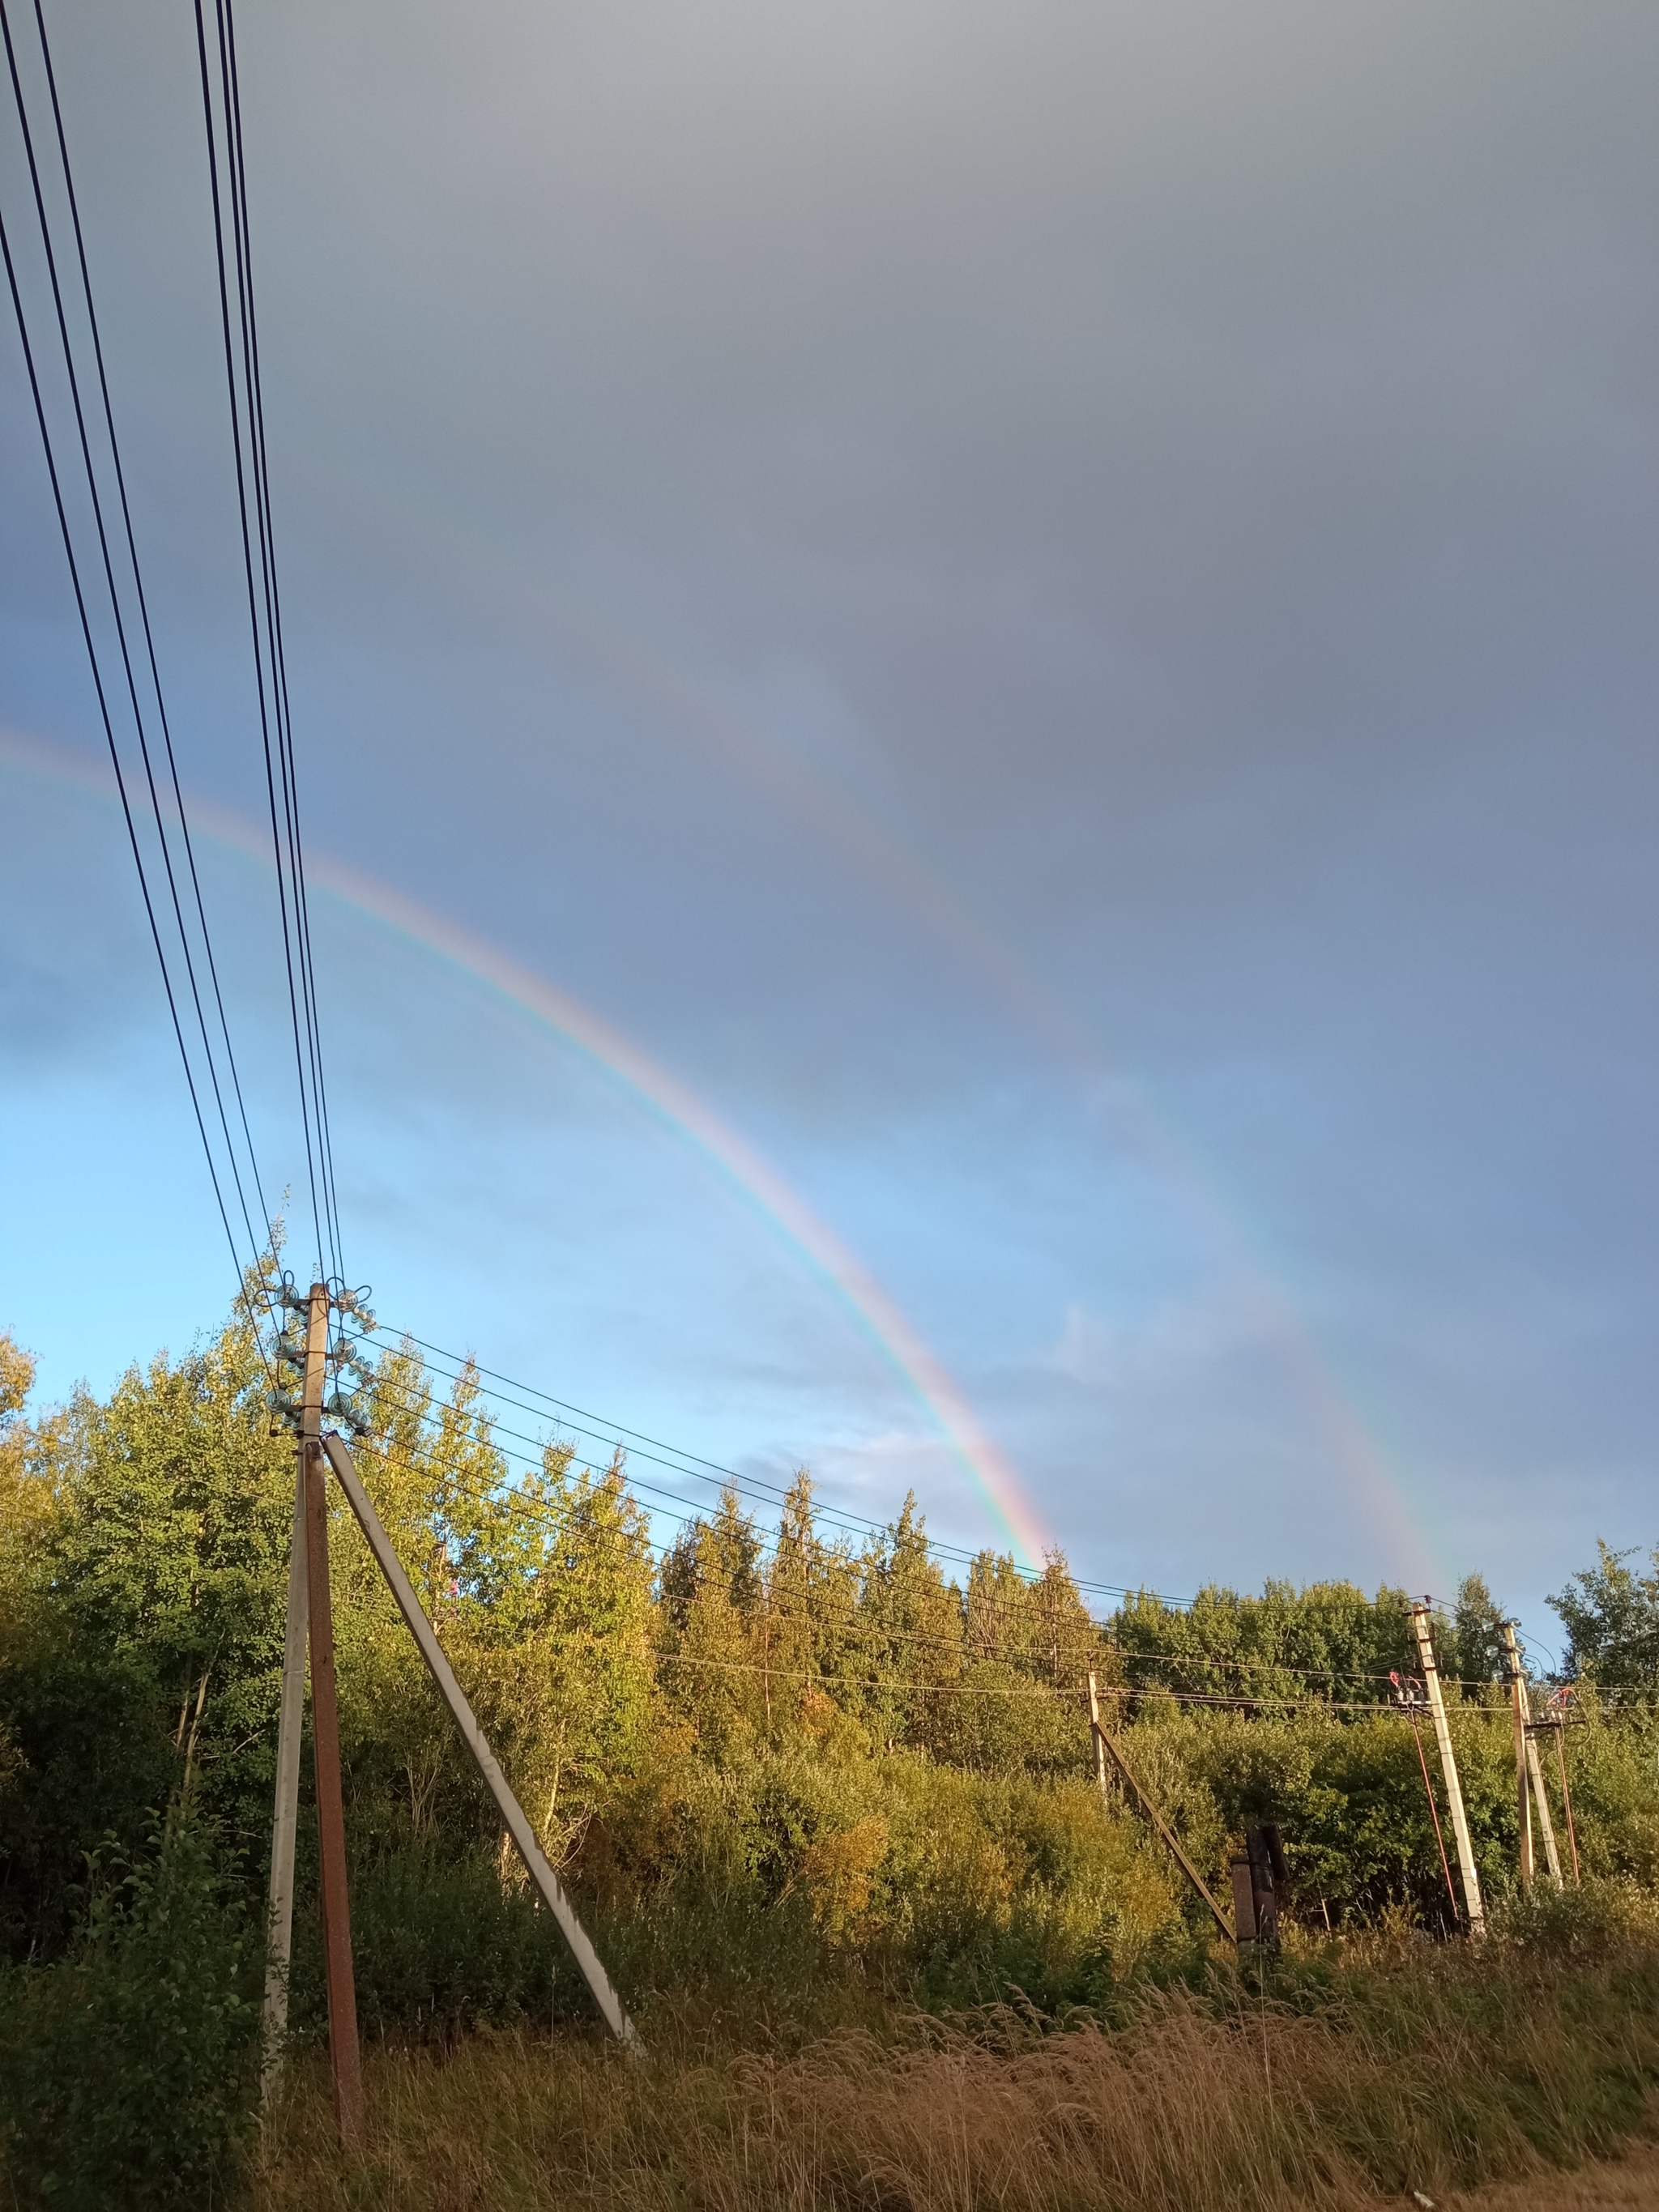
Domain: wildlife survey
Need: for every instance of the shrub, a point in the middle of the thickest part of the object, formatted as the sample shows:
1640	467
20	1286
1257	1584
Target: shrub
438	1945
128	2068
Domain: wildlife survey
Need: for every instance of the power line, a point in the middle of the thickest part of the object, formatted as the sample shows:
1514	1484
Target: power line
756	1489
101	687
245	398
699	1468
1032	1692
257	421
144	610
514	1499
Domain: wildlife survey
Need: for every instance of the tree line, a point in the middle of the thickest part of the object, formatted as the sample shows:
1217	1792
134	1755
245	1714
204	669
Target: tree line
759	1730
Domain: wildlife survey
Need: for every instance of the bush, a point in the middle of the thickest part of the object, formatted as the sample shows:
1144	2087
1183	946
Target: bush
128	2068
438	1945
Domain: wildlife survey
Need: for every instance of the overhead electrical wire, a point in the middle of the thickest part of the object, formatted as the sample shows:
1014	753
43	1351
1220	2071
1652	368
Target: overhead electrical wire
513	1499
150	646
498	1388
234	259
151	797
233	87
1032	1691
258	1239
694	1466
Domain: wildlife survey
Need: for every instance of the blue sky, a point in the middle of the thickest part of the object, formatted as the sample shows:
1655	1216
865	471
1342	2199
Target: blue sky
1050	608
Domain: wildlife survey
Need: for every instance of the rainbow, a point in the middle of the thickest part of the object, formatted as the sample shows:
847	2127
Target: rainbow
624	665
672	1100
1368	1469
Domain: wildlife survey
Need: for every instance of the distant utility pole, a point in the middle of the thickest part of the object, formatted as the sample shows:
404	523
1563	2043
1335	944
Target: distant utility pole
1097	1733
1423	1629
1527	1769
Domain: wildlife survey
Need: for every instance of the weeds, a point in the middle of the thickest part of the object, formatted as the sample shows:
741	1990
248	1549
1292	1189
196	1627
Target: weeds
1342	2081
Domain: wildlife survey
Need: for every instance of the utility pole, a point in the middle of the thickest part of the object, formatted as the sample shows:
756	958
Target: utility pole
289	1731
1425	1634
1527	1768
345	2056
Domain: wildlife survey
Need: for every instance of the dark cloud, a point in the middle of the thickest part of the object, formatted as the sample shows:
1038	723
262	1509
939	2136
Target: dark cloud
828	530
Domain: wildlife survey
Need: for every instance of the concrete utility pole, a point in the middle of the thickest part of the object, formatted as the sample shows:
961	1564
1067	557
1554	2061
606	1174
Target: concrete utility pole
1518	1712
1423	1631
1527	1769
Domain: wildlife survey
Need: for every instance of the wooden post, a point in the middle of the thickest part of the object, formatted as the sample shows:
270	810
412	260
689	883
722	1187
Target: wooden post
1551	1855
290	1729
1420	1624
345	2056
1532	1773
511	1812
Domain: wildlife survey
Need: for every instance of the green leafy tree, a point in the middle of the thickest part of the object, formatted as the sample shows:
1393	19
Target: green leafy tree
154	1657
713	1632
1611	1613
910	1634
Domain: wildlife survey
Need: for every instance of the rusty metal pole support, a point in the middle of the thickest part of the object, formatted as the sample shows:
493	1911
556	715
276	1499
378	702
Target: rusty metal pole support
1423	1629
1531	1771
345	2058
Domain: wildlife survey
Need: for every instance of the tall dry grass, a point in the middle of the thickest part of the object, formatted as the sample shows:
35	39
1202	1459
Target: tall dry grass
1427	2074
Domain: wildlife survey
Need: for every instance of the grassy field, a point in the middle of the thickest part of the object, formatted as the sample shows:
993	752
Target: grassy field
1347	2079
1628	2183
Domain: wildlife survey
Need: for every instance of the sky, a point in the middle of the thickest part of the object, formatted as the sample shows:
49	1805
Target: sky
974	689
